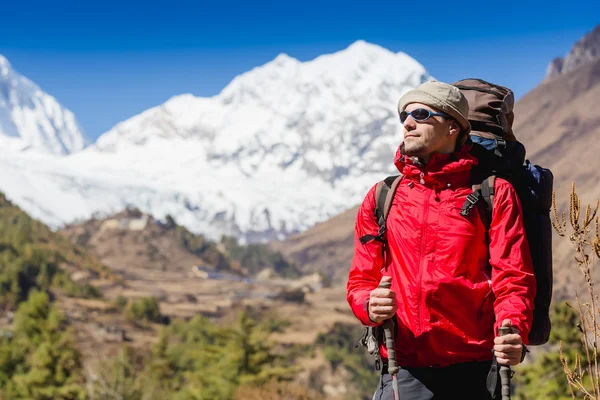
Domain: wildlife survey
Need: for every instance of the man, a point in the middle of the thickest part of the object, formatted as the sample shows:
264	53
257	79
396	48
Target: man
453	282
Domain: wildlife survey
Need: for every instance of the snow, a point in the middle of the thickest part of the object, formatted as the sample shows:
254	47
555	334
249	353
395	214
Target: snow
31	120
282	147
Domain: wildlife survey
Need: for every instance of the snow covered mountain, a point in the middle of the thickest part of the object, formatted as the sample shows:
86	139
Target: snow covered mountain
282	147
33	120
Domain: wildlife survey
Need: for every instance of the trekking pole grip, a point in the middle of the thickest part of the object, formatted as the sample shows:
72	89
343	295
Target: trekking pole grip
505	371
388	331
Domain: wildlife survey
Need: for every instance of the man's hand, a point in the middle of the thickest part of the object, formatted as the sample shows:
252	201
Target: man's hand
508	348
382	303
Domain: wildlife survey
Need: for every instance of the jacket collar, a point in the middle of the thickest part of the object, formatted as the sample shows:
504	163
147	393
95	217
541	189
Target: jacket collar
442	170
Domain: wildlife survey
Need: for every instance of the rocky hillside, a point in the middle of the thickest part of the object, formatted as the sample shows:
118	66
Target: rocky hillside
585	51
34	257
160	321
132	240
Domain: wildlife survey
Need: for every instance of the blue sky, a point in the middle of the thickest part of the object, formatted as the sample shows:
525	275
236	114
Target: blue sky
109	61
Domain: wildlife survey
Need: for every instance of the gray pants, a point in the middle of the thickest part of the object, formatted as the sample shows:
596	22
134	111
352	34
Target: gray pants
459	381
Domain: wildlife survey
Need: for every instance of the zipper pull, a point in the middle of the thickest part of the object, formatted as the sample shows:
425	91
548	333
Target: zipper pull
422	180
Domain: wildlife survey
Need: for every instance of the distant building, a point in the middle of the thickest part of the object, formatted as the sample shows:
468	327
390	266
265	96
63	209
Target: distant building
138	224
130	224
206	273
200	272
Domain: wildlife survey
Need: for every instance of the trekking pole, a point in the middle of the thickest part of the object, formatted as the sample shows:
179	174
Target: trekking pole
388	331
505	371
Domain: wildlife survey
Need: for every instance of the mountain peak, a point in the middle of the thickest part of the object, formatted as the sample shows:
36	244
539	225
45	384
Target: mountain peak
361	46
356	54
4	66
555	68
33	120
283	59
585	51
318	132
360	65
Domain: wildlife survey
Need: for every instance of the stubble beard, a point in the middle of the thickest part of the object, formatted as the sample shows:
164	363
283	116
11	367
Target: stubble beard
414	148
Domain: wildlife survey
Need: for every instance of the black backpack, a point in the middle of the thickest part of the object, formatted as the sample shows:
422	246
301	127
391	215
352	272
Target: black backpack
500	155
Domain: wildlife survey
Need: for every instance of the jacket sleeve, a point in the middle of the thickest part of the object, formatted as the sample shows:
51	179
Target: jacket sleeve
365	271
513	279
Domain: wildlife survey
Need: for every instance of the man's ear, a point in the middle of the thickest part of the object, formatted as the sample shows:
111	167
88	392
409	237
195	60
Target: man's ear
454	128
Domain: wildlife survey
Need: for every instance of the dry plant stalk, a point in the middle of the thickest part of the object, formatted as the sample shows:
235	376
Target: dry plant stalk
575	376
586	247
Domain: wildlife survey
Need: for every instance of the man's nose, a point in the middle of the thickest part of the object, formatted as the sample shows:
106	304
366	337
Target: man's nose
409	123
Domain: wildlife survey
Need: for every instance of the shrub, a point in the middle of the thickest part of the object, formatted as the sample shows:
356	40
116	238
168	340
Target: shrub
143	310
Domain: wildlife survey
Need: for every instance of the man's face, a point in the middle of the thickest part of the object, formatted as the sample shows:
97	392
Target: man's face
423	138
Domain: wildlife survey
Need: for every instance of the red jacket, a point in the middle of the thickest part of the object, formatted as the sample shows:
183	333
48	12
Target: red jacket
449	302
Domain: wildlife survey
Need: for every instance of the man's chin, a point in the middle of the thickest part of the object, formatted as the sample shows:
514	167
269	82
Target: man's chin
411	151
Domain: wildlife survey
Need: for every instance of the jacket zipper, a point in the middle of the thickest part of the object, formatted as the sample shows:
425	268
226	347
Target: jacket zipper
423	242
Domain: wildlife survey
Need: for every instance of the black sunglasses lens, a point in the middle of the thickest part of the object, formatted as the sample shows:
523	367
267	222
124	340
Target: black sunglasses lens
420	114
403	116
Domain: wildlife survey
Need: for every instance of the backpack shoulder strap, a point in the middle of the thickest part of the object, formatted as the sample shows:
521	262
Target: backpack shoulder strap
484	190
487	193
384	196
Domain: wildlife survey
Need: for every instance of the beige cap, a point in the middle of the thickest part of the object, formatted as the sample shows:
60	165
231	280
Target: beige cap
441	96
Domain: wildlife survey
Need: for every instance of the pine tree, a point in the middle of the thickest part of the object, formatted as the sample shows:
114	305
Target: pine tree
40	360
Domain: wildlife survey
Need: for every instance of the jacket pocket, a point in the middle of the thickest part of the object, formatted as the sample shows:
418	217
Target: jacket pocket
487	304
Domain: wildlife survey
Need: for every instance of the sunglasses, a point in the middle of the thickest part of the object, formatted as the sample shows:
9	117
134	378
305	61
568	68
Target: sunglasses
421	114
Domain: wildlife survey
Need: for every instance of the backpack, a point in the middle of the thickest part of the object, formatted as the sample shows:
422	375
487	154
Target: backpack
500	155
